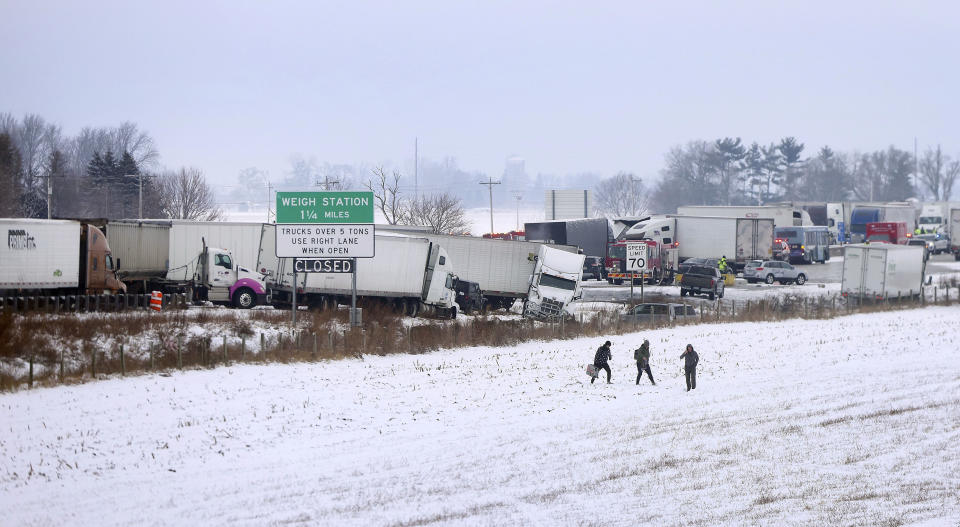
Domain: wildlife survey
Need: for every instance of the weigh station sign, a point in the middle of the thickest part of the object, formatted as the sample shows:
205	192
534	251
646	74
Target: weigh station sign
325	225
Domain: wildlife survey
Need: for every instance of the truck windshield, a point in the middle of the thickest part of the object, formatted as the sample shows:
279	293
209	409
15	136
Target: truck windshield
618	251
930	219
557	282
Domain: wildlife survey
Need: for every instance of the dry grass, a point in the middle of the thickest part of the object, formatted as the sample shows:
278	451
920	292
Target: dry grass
68	348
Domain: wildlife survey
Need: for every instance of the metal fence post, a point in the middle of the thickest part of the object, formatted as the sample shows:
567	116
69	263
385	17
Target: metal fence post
243	347
123	362
180	351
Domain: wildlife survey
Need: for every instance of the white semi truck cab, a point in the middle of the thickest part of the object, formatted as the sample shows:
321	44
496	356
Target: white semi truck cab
219	279
555	283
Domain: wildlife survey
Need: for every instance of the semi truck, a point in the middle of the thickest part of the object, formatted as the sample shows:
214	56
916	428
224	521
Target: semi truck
873	213
591	235
501	267
151	255
935	217
785	215
409	272
874	272
739	239
55	257
554	284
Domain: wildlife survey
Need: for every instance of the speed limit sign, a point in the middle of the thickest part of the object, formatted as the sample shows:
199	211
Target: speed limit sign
637	257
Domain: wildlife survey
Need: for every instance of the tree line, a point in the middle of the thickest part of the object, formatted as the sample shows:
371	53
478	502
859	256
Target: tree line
729	172
101	172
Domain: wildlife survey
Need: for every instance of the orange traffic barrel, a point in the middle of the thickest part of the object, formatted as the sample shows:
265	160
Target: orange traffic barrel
156	300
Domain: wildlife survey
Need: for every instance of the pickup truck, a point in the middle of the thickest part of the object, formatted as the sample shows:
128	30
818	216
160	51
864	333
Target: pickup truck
702	280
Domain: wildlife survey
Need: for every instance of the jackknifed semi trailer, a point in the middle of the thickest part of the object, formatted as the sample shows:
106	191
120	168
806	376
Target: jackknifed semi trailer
411	273
502	268
874	272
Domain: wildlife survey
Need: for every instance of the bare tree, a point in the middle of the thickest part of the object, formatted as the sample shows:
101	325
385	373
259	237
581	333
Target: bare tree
938	173
621	195
443	213
185	194
9	174
127	138
386	192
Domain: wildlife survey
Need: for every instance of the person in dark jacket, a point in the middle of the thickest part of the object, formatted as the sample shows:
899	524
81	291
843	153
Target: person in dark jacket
600	360
690	360
642	356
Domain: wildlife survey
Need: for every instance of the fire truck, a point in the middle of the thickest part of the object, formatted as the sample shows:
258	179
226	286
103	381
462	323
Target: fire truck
661	263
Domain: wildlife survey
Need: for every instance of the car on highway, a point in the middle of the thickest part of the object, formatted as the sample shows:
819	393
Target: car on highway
702	280
658	312
771	271
938	243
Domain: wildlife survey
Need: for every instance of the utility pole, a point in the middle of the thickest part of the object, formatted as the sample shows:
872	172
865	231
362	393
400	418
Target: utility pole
916	169
416	168
269	198
518	195
490	183
326	182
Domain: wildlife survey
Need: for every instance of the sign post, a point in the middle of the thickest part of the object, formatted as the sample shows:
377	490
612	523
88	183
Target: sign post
325	232
637	255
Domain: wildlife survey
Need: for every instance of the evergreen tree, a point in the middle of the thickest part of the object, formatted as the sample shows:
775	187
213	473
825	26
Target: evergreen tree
772	170
790	151
898	169
729	155
9	177
752	175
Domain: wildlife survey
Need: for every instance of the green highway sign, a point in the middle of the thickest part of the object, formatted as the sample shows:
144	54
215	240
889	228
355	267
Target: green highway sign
325	207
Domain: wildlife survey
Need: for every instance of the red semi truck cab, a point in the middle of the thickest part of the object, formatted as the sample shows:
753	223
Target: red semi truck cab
887	232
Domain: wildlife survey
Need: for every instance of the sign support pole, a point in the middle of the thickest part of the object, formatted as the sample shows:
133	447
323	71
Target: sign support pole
632	274
353	298
643	278
294	291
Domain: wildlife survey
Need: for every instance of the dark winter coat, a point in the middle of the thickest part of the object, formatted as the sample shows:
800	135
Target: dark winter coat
602	356
642	354
690	360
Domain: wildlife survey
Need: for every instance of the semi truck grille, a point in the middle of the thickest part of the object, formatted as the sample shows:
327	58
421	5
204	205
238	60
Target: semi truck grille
547	310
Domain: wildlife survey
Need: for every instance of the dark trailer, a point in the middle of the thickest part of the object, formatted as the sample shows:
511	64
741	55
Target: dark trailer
590	234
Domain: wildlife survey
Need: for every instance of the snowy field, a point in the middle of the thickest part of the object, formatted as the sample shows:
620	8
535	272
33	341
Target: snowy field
849	421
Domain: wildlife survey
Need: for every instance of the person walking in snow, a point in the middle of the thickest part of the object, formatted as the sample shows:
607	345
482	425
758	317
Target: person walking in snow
600	360
690	360
642	356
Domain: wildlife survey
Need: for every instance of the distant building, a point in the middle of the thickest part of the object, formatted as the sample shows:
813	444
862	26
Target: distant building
568	204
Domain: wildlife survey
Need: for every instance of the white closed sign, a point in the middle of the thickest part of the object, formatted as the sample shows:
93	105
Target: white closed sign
637	256
325	241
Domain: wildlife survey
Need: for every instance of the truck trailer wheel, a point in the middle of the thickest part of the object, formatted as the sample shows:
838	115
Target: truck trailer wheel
244	298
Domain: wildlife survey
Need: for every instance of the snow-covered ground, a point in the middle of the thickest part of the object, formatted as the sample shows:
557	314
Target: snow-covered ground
848	421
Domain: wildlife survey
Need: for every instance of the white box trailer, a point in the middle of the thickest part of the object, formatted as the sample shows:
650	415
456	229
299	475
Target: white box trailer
55	257
39	254
242	239
782	215
141	248
882	271
411	271
739	239
954	231
502	268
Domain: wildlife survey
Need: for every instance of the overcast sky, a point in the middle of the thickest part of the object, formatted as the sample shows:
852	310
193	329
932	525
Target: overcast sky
570	87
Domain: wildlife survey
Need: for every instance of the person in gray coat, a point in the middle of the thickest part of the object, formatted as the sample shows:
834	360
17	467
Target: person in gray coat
690	360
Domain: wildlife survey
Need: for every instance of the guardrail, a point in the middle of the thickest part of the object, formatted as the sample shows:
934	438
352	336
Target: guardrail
86	303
